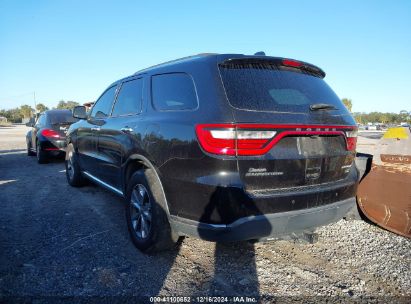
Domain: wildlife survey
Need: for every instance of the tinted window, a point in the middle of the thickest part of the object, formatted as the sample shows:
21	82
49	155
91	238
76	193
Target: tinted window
61	117
173	92
264	87
129	98
41	120
103	105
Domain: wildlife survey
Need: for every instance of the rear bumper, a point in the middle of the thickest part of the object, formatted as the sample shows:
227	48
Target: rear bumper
53	145
265	226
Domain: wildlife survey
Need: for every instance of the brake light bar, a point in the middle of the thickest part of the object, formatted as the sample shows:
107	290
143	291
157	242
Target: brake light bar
258	139
292	63
50	133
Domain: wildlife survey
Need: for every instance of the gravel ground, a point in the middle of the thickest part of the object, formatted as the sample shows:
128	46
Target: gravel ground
59	241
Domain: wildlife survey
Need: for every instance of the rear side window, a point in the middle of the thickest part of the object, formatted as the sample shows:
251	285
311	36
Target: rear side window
175	91
103	105
61	118
265	87
129	99
41	121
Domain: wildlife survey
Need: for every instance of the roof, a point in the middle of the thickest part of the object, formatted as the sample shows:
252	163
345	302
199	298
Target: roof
57	111
179	60
214	57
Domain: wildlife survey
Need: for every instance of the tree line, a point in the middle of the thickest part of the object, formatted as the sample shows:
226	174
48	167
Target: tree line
378	117
384	118
25	111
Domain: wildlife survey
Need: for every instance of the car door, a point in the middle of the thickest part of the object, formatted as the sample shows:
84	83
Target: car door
87	134
116	135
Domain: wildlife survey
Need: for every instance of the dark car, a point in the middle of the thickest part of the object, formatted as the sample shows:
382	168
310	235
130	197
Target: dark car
222	147
47	137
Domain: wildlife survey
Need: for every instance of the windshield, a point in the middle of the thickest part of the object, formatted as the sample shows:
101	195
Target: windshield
266	87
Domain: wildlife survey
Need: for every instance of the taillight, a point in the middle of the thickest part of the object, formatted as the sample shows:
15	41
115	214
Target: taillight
230	139
292	63
50	133
351	139
258	139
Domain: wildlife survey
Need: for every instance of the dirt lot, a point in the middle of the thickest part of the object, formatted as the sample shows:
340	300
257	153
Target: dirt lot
59	241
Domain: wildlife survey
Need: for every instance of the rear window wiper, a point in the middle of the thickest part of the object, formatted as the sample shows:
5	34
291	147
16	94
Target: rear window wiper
322	106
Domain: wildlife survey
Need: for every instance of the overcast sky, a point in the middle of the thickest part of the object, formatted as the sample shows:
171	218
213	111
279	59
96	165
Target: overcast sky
73	50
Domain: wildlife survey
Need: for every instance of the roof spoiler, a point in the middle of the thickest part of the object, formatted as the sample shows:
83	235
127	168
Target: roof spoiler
276	61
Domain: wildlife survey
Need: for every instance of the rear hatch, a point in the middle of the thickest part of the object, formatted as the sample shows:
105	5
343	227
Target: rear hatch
291	131
58	123
61	121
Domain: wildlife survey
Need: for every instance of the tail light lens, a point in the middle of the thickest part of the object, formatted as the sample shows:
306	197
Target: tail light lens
230	139
50	133
351	139
258	139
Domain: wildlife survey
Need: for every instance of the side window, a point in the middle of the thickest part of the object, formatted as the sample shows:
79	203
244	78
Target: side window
41	120
38	120
174	91
129	98
103	105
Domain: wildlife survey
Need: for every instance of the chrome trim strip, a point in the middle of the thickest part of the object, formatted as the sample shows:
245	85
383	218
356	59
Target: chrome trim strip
99	181
327	186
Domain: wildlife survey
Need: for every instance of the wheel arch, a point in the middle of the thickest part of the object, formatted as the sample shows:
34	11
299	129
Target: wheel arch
72	139
137	162
40	139
28	138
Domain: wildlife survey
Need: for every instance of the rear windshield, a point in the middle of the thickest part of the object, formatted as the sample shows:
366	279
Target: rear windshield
266	87
61	118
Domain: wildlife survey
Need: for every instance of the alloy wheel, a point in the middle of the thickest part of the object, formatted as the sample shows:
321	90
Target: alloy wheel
140	211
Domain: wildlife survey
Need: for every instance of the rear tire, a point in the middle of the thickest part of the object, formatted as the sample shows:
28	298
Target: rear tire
29	151
41	155
146	214
73	170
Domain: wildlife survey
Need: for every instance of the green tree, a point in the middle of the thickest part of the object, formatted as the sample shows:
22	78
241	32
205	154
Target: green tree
386	118
41	107
404	115
348	103
67	104
15	115
359	117
26	111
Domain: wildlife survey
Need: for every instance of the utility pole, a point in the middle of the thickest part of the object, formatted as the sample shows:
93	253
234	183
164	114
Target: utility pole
34	97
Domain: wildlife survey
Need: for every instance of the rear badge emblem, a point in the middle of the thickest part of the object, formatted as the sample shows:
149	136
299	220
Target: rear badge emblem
312	173
262	172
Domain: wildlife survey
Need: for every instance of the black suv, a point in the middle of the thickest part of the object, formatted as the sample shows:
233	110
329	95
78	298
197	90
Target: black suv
222	147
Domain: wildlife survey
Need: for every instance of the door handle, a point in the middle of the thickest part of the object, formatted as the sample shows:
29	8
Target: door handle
126	130
95	129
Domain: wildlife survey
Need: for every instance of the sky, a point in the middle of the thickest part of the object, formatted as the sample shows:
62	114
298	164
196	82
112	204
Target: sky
72	50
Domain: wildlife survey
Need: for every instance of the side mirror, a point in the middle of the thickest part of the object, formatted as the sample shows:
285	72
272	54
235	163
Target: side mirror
80	112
